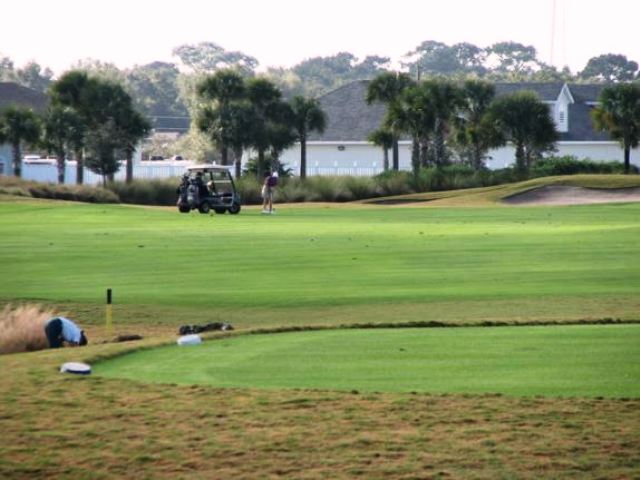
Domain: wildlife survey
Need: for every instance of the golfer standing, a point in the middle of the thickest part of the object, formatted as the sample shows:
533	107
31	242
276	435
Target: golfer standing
61	329
268	189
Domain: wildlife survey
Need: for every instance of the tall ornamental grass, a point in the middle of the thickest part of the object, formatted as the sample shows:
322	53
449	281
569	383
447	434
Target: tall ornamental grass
22	328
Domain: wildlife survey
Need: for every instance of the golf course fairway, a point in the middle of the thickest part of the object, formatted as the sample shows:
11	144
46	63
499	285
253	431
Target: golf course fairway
585	360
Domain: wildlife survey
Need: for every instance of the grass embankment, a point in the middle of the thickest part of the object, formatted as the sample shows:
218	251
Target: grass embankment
320	266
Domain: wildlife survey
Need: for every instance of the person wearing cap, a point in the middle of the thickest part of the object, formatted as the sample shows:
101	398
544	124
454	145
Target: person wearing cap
61	329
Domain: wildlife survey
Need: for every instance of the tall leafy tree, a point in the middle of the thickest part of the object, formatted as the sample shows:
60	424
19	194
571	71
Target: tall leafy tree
308	116
154	89
132	127
523	119
387	88
63	131
437	58
610	68
514	60
209	57
19	126
101	142
618	112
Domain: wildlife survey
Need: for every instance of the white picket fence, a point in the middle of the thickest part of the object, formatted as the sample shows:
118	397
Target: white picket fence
47	171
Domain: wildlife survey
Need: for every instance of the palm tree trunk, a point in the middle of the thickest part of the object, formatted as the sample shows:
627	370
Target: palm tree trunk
521	165
627	158
303	157
385	161
79	167
415	155
129	172
237	161
17	160
396	154
424	152
224	153
260	166
60	161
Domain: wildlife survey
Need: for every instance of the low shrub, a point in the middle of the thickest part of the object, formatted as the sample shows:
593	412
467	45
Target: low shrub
22	328
147	192
78	193
249	189
571	165
393	182
14	190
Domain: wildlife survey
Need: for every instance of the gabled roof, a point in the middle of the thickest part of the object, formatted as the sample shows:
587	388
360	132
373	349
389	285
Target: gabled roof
17	95
349	118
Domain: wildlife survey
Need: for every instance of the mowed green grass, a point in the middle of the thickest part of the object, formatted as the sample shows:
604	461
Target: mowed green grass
591	360
375	263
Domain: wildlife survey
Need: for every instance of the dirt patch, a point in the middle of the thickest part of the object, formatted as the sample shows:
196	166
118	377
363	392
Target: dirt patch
562	195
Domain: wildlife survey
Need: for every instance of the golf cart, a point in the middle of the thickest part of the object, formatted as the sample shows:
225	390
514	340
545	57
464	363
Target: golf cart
208	187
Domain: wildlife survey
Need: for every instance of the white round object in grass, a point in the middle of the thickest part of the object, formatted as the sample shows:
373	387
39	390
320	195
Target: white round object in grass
193	339
76	367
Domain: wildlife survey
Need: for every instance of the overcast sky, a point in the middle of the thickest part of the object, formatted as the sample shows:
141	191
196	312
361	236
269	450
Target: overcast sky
58	33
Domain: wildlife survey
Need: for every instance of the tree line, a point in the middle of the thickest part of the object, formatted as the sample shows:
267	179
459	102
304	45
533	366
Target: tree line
88	117
94	116
167	89
444	118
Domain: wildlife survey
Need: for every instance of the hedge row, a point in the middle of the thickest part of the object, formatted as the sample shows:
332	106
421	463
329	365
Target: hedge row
317	188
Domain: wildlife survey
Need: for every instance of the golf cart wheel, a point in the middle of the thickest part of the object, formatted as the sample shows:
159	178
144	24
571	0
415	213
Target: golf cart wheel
234	209
220	210
204	207
184	208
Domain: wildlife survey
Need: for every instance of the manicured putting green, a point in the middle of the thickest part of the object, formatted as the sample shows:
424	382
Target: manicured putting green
593	360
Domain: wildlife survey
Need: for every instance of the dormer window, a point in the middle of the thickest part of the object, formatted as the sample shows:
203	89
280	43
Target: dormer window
563	123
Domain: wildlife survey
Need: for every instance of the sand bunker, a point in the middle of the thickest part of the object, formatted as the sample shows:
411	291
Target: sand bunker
559	195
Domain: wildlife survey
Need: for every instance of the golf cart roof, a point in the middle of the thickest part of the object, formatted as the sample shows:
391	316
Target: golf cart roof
208	168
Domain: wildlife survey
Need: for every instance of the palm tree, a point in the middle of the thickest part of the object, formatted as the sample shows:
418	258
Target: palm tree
473	133
618	113
265	98
410	114
308	117
72	90
386	88
524	120
63	130
443	99
18	126
382	138
221	89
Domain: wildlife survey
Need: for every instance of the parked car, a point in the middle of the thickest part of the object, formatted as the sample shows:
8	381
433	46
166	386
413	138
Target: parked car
156	157
177	158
